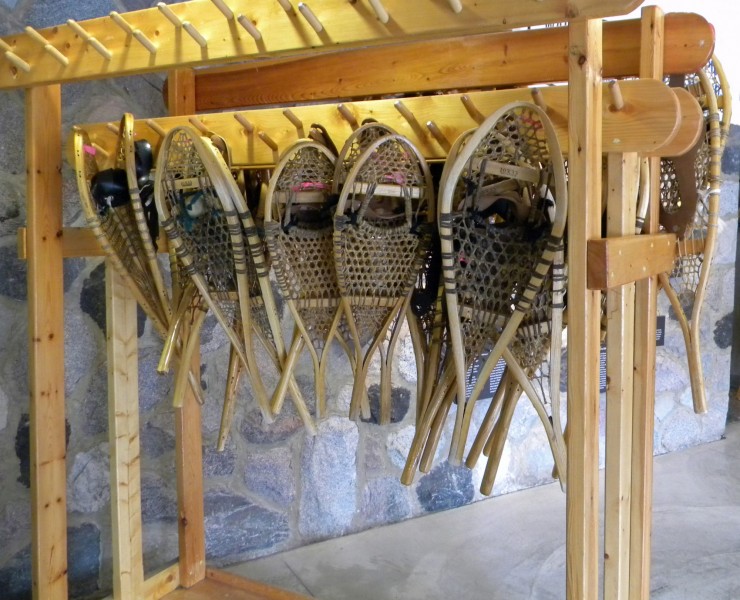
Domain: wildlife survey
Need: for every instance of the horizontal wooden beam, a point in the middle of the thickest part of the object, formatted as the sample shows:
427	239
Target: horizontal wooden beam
649	120
78	242
491	60
200	32
615	261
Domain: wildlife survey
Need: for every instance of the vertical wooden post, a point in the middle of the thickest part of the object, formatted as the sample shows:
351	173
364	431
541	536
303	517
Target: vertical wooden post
584	192
646	295
623	174
188	440
123	433
46	342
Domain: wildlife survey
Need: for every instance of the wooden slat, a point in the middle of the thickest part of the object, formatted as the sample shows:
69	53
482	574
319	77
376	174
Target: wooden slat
618	260
497	60
692	125
123	433
215	590
622	180
188	437
646	302
159	585
46	344
584	223
344	24
260	590
649	121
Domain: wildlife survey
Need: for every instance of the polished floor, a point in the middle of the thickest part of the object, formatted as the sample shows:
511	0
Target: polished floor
512	547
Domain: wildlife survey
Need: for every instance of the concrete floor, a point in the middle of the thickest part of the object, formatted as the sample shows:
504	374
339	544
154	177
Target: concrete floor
512	547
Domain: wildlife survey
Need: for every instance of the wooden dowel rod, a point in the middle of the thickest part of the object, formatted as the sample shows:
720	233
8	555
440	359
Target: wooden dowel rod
405	112
100	149
198	124
48	48
474	113
438	135
456	5
167	12
225	10
268	140
310	17
616	94
93	41
121	22
380	11
145	41
195	34
348	116
244	122
287	6
250	28
291	116
156	127
17	61
112	127
538	99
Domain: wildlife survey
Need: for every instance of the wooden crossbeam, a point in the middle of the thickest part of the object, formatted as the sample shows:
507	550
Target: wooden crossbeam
199	32
512	58
619	260
649	121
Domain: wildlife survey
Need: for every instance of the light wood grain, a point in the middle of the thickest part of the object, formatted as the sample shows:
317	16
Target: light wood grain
622	179
649	121
123	433
646	294
692	125
188	437
616	261
345	24
159	585
497	60
46	344
584	223
261	590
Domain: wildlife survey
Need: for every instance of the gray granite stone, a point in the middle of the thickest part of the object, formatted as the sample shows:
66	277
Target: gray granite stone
84	545
400	401
4	401
329	480
385	500
723	331
671	372
15	576
89	486
253	428
155	441
218	464
92	299
406	357
235	526
48	14
731	155
271	476
398	445
681	429
94	413
154	388
373	454
23	448
445	487
13	283
158	499
12	198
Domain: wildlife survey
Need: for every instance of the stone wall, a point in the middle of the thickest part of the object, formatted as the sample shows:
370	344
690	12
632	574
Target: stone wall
273	488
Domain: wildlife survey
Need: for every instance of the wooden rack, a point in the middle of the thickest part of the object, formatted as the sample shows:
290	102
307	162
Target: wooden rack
201	32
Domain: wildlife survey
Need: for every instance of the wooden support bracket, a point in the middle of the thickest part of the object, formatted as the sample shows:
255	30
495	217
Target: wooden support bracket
619	260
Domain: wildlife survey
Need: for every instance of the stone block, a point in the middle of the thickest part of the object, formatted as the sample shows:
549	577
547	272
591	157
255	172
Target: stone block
270	475
398	445
155	441
254	430
218	464
385	500
89	485
400	401
445	487
329	480
158	499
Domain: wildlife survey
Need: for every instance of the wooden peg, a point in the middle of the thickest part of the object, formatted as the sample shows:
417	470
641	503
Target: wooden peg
248	127
405	112
380	11
310	17
348	116
198	124
156	127
538	99
121	22
268	140
167	12
13	58
48	48
144	41
287	6
438	135
112	127
100	149
456	6
225	10
297	123
86	37
249	26
616	93
195	34
473	111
